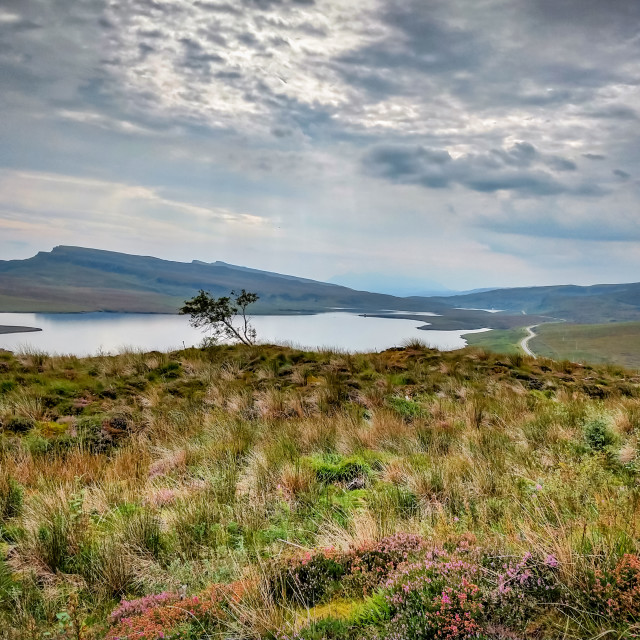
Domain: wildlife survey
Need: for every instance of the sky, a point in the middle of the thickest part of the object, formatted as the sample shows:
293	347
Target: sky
469	143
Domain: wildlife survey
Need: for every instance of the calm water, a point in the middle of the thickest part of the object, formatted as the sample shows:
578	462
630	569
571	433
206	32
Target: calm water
88	333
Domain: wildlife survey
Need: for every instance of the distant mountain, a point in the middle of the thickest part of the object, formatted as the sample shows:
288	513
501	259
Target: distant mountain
79	279
599	303
391	285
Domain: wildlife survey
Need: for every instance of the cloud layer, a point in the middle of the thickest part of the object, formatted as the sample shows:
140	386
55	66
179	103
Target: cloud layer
341	137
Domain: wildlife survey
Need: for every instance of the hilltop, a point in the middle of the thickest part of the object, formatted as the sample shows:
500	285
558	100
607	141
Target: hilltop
69	279
599	303
74	279
268	492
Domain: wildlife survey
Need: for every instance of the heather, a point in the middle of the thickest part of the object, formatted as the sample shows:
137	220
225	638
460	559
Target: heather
269	492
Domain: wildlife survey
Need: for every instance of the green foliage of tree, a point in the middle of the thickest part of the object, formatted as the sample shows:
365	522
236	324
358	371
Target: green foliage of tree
225	317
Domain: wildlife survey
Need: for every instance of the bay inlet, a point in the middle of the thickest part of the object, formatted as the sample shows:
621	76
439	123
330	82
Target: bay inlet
91	333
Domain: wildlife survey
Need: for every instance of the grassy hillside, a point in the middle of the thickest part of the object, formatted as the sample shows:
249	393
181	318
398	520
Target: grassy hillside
595	304
614	343
78	279
266	492
502	341
600	343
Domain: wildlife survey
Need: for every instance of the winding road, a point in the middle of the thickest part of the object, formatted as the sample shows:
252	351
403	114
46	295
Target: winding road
524	343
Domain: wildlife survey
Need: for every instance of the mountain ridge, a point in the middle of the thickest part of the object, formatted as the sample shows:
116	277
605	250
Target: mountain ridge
75	279
68	272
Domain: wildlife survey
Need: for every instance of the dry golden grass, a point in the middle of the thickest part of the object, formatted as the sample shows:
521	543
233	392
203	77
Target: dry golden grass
157	470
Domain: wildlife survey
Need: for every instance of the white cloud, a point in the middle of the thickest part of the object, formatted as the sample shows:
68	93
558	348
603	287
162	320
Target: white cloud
74	209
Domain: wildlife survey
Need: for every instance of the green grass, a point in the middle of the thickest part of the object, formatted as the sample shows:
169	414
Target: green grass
615	343
498	341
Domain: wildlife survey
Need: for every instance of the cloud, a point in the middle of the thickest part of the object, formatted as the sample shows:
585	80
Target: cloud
417	38
614	112
88	201
497	118
520	169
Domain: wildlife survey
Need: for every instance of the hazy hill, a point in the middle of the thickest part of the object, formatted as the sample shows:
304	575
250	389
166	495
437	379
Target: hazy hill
599	303
78	279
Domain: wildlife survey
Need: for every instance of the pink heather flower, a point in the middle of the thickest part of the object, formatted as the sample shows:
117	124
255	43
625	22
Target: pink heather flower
538	487
551	561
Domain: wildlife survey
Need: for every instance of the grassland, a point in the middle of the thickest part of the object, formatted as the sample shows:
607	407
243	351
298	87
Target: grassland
266	492
613	343
499	341
617	343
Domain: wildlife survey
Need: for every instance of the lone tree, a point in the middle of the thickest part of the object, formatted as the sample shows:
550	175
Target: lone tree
226	317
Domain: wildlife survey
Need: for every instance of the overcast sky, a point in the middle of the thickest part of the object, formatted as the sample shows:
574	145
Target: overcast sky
467	142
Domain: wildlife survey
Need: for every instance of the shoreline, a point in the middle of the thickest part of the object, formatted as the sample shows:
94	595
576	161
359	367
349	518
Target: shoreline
5	330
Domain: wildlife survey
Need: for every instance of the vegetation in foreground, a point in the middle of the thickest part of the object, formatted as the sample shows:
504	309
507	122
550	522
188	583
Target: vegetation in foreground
265	492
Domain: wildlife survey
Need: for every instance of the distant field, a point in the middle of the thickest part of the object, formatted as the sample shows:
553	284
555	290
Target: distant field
614	343
617	343
505	341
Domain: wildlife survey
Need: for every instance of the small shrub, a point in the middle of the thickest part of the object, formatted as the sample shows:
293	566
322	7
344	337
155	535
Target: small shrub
408	409
436	598
19	424
521	585
10	498
332	468
370	564
598	434
172	617
311	578
143	532
617	593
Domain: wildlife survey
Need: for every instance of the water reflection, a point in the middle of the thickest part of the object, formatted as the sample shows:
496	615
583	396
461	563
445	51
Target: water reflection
90	333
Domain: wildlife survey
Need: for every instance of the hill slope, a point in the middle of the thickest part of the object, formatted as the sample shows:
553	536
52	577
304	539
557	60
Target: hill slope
78	279
599	303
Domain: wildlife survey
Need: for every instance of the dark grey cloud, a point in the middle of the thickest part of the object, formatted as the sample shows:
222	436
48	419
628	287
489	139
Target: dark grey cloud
265	5
594	156
615	17
614	112
623	175
545	227
520	169
198	58
417	40
218	7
